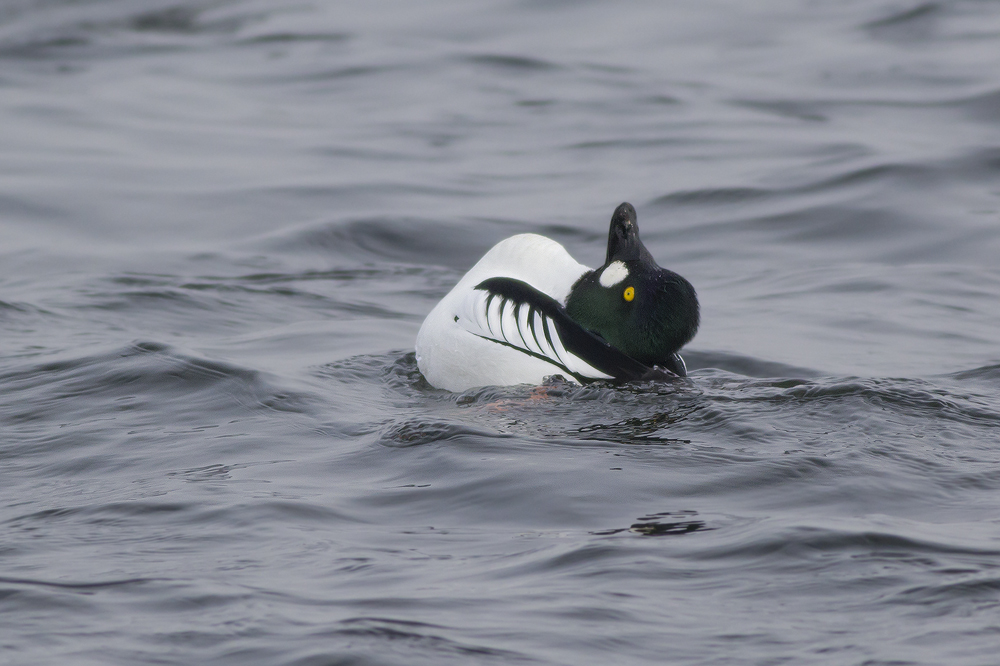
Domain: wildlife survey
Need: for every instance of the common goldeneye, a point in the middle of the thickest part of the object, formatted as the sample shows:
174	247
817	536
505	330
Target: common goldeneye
528	310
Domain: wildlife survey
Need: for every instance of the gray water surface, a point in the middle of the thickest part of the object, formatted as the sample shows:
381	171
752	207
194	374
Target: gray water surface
222	224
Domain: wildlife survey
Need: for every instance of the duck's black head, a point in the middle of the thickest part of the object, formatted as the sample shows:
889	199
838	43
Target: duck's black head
643	310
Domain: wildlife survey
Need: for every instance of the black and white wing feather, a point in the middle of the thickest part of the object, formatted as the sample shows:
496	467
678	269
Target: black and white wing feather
512	313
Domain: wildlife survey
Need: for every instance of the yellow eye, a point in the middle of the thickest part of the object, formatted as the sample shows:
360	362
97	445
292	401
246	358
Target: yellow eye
629	293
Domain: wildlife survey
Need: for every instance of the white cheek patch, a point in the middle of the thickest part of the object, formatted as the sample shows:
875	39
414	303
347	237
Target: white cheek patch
613	274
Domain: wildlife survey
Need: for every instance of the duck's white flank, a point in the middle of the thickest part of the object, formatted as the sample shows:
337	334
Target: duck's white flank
453	357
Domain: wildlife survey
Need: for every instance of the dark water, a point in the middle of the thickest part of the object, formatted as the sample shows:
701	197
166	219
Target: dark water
223	222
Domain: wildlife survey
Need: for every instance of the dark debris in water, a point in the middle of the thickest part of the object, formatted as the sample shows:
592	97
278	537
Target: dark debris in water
662	524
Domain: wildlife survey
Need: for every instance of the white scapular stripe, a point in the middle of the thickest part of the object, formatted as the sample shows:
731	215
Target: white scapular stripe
523	325
498	318
613	274
493	313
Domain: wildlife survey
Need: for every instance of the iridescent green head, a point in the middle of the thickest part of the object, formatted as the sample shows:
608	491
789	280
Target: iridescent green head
643	310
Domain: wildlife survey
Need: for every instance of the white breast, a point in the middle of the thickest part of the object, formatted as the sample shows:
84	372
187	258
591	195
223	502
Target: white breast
452	358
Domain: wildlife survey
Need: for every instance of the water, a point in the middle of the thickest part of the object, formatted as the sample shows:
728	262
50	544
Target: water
223	223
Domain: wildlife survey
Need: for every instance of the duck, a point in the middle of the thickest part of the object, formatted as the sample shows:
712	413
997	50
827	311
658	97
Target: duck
528	311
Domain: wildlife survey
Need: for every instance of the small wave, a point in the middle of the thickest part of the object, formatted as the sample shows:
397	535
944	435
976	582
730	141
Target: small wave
11	307
325	74
144	374
396	369
813	224
294	37
81	586
403	374
163	361
414	241
511	63
946	597
747	366
807	541
111	30
984	107
724	195
420	642
276	512
914	397
369	367
896	174
626	144
181	19
915	23
987	373
124	29
191	516
420	432
41	48
798	109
